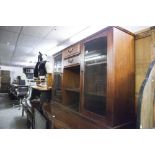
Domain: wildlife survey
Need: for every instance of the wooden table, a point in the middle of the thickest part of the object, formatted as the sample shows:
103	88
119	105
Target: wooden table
42	88
45	95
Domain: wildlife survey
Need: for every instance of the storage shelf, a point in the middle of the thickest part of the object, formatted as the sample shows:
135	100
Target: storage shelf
94	64
74	107
95	94
76	90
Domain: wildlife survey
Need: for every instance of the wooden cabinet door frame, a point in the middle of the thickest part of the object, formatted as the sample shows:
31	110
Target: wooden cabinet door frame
110	78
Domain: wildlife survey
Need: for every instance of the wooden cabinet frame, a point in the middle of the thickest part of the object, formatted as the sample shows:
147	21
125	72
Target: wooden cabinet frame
117	42
120	84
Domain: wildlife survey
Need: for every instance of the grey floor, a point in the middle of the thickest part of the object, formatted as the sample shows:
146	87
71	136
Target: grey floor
10	117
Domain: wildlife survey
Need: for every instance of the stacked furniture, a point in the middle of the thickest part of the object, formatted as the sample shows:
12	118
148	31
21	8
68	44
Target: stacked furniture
4	81
97	83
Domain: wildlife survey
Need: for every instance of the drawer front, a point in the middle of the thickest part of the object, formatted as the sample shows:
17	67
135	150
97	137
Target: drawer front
72	60
71	51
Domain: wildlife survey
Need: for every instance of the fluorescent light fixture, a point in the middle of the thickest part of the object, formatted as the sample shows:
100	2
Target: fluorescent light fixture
46	46
58	49
48	53
77	37
83	34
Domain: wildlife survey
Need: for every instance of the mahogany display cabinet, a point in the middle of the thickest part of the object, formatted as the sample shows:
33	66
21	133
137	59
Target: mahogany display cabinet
97	83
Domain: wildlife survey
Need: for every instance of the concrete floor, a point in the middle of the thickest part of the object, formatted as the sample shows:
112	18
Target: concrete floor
10	117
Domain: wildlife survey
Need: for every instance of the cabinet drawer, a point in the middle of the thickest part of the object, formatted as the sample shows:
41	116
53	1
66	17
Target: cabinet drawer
72	60
71	51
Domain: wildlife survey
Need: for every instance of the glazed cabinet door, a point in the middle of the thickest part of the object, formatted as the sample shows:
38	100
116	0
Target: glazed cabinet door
57	90
95	76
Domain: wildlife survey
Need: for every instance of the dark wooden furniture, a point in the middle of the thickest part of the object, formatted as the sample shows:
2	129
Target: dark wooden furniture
33	105
4	81
40	121
44	94
71	77
97	83
112	78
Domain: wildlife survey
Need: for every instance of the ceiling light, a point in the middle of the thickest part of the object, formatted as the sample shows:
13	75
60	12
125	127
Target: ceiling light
87	32
58	48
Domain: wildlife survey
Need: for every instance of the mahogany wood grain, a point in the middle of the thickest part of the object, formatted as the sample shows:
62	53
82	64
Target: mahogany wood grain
124	77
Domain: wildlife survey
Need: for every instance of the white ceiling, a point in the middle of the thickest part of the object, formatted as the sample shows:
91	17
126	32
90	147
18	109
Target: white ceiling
19	45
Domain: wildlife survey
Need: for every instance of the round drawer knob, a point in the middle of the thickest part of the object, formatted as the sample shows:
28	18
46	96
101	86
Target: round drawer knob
70	60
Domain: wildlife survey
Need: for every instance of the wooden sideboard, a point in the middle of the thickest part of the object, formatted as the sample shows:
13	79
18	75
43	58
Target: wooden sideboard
97	83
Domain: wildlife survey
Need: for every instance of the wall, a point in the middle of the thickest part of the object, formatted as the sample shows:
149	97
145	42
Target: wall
14	71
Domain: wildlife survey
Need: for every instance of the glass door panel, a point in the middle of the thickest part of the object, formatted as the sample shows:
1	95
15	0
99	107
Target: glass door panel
95	75
57	77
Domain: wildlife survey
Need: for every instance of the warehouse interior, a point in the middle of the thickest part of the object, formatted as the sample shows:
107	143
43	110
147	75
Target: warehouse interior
77	77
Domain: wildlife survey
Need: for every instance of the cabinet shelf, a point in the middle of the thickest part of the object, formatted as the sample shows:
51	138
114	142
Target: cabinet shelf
74	106
95	94
71	89
94	64
76	90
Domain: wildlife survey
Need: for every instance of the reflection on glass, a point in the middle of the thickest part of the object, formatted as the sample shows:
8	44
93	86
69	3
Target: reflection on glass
57	77
95	76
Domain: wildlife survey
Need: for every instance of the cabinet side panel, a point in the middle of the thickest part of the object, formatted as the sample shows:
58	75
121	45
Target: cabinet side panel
110	78
124	77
